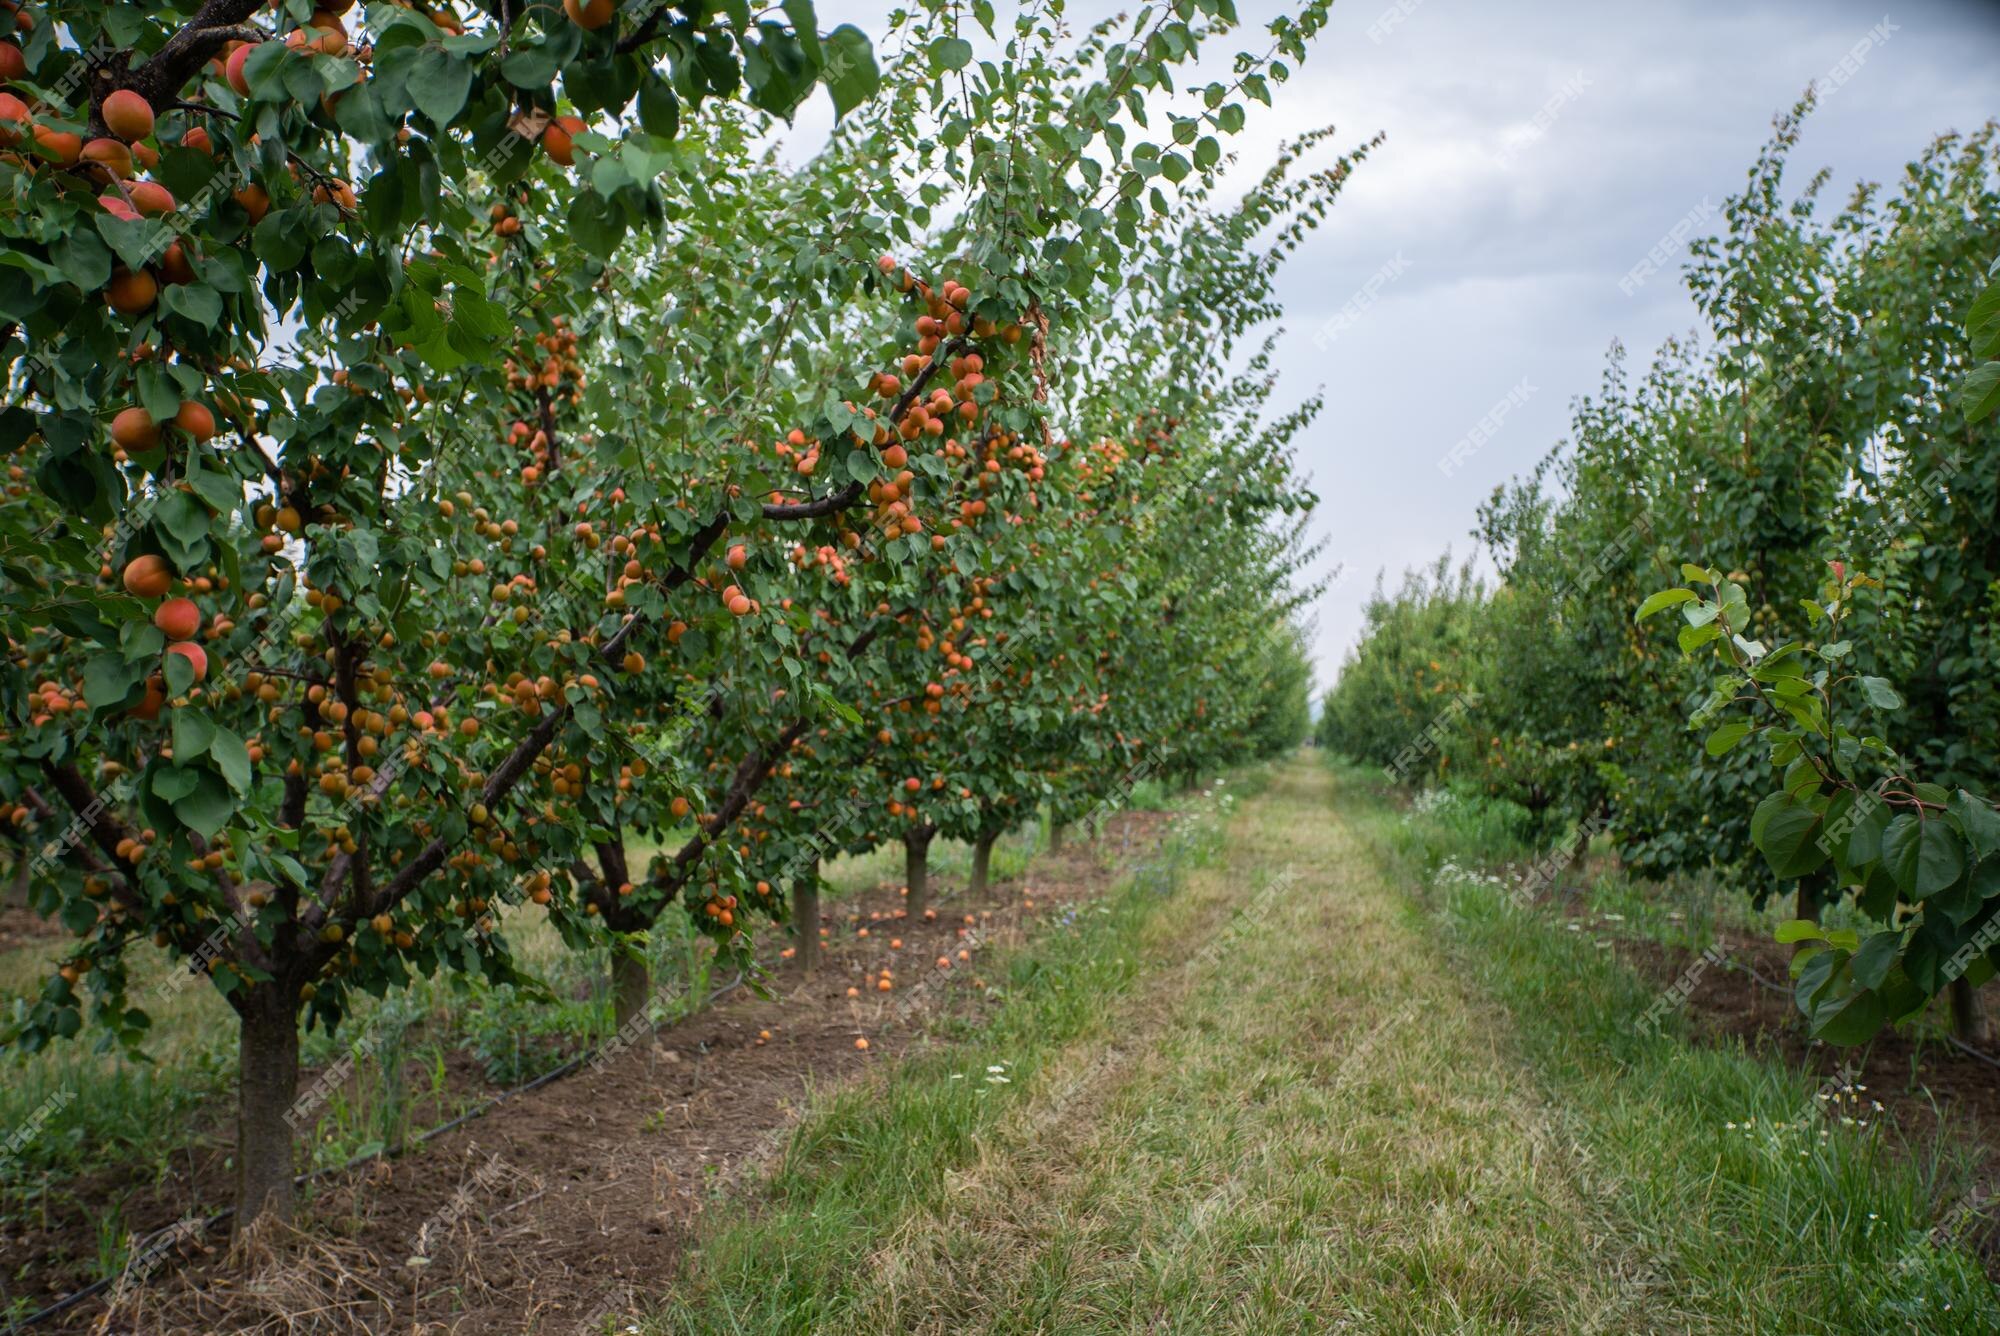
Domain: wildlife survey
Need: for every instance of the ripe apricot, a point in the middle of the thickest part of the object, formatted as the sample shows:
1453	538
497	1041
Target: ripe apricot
148	576
559	140
134	429
174	265
151	199
256	202
131	292
232	70
195	420
66	148
128	115
589	14
149	706
110	155
180	618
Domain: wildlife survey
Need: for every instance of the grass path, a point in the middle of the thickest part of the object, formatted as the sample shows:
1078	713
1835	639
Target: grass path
1275	1101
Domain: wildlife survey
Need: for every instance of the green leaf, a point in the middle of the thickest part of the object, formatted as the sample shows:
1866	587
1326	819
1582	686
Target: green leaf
1798	930
1979	392
1726	737
438	84
1978	820
109	681
179	673
850	73
208	807
193	731
950	53
1849	1018
1924	856
228	752
1663	600
1693	638
1877	692
596	223
659	109
1875	958
1786	832
199	302
170	783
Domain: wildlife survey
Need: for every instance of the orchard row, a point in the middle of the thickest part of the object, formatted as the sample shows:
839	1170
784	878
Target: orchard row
449	455
1813	494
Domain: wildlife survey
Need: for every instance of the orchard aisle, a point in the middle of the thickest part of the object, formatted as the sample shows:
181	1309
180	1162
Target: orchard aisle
1293	1120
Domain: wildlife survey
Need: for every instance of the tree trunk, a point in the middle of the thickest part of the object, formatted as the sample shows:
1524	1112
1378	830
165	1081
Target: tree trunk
1055	836
917	871
1967	1021
1806	905
17	888
982	860
805	918
1577	849
268	1080
631	985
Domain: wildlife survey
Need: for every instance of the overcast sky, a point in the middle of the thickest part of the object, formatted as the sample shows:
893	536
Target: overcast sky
1537	151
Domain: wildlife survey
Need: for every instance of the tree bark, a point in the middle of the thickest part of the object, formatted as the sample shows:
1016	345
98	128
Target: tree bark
917	871
631	985
17	886
805	917
1968	1023
268	1080
982	860
1055	836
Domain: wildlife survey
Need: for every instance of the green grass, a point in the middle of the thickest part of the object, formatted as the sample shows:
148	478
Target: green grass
1313	1091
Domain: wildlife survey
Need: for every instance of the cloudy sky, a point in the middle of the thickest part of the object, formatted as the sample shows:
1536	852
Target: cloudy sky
1537	151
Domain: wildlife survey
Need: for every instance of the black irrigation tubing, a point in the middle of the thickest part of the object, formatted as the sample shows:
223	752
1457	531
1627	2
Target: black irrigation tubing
70	1301
1970	1051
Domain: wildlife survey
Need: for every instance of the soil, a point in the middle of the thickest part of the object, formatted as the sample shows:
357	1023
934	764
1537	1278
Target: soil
24	927
566	1205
